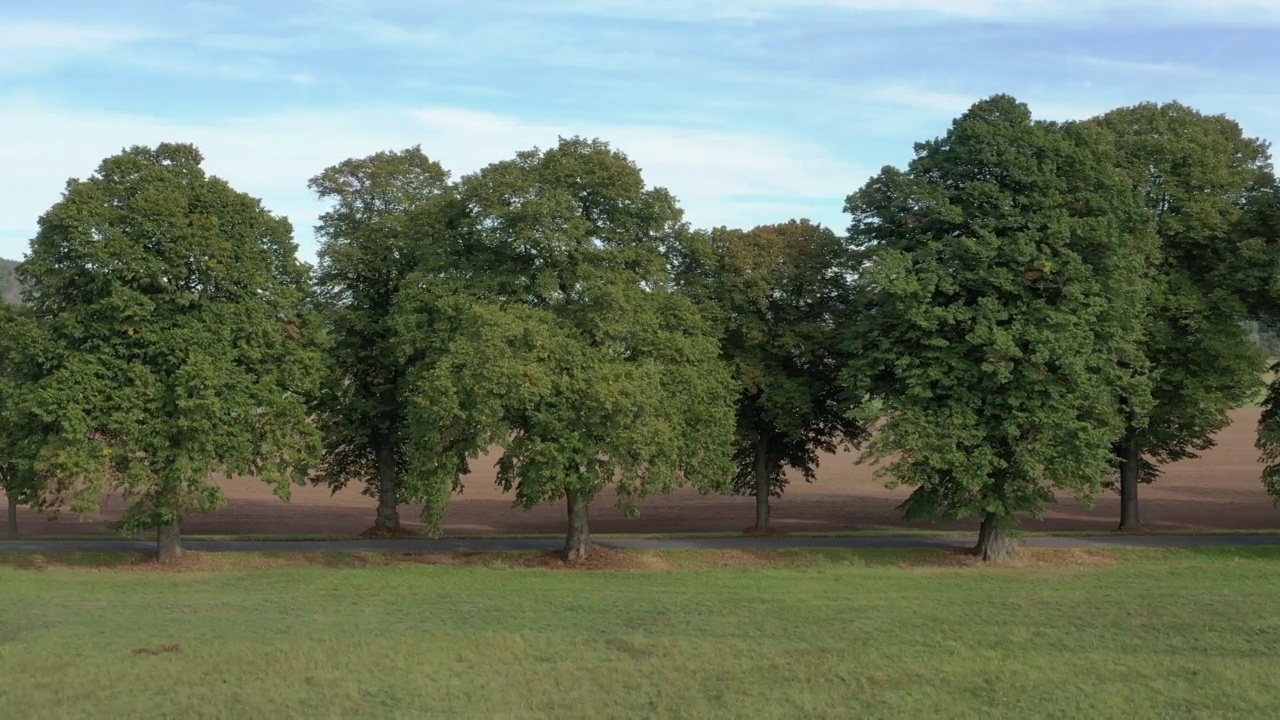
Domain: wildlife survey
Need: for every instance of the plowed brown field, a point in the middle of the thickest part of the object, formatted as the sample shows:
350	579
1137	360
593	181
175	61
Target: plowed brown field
1219	491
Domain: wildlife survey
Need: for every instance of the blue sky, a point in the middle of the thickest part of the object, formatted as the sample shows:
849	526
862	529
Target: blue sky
750	111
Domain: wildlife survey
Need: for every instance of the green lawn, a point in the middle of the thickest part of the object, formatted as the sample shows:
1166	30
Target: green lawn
830	634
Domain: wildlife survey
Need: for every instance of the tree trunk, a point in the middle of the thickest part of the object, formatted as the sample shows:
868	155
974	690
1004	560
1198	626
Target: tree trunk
168	543
388	519
575	545
762	485
13	515
996	543
1128	455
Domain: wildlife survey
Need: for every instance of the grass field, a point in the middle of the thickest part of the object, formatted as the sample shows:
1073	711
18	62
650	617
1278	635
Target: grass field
815	634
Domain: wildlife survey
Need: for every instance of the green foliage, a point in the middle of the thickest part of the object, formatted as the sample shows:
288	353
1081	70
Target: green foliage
780	293
1257	269
19	446
1195	174
1261	226
10	288
381	227
1003	281
572	350
178	344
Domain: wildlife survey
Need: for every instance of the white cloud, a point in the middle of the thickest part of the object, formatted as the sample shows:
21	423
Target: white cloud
757	9
32	46
954	104
719	177
26	36
998	10
1140	66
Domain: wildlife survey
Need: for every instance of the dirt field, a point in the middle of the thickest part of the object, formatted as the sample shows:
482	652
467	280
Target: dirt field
1219	491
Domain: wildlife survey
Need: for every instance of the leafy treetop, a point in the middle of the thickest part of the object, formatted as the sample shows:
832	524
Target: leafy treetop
1195	174
574	355
1003	282
175	309
781	293
372	239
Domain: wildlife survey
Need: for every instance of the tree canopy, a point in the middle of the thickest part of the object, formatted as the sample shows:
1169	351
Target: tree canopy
175	309
19	353
1260	225
371	240
781	293
1195	174
573	353
1003	284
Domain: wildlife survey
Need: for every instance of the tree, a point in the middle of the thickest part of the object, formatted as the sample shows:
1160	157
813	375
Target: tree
182	346
1002	280
17	444
1195	174
781	292
1260	274
573	353
372	240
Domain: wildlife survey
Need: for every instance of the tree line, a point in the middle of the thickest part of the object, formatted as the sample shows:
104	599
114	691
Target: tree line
1026	309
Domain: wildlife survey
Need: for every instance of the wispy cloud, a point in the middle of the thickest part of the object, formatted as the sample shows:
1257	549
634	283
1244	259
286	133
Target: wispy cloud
168	61
1157	11
749	111
1140	66
733	178
44	35
28	47
952	104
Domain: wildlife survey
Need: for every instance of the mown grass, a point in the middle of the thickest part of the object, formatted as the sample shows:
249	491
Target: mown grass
1179	633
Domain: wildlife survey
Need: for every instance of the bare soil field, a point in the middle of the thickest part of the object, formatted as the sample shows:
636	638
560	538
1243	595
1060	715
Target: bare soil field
1221	490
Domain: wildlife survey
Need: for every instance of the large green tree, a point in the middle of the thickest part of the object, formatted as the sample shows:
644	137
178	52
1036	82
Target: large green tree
384	222
573	353
1003	289
780	293
1195	173
176	309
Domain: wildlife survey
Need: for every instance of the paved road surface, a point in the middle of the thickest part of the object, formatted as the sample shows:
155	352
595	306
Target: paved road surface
637	543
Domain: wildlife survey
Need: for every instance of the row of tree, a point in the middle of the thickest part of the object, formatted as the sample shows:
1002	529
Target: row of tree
1027	309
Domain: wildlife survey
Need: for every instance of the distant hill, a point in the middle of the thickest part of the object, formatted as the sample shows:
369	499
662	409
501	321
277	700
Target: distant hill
9	290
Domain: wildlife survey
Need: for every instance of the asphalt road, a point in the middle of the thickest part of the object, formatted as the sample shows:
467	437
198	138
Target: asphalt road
636	543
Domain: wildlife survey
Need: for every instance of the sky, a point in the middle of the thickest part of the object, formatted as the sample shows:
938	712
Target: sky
749	111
